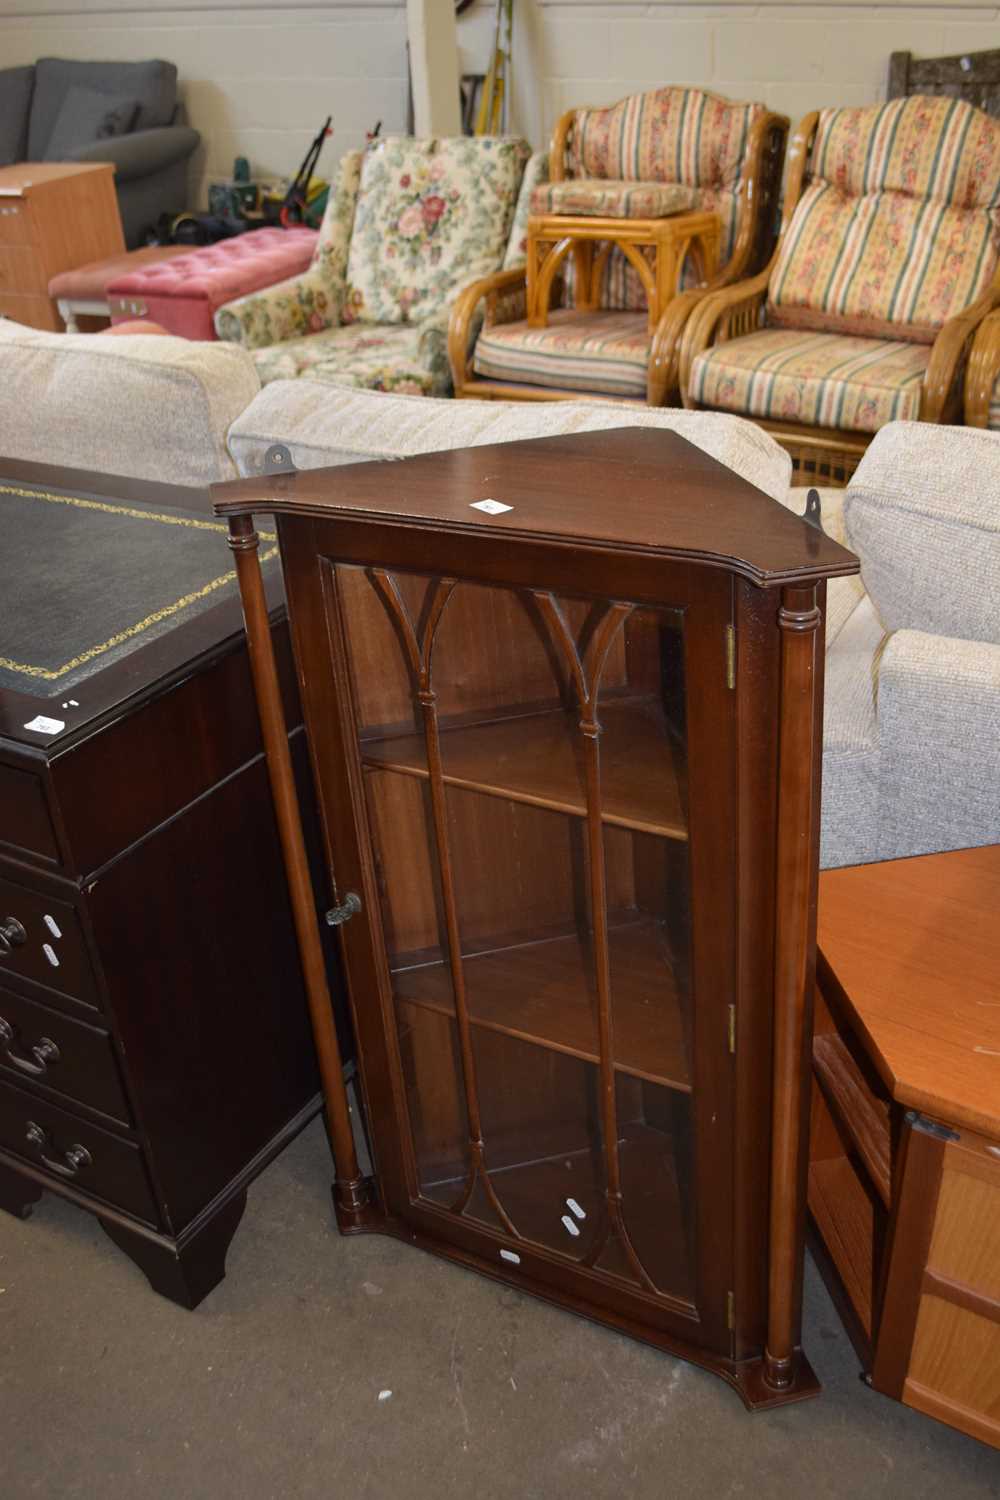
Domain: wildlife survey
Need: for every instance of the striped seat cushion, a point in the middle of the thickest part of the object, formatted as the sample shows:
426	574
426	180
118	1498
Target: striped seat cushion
993	421
612	198
899	228
817	379
604	351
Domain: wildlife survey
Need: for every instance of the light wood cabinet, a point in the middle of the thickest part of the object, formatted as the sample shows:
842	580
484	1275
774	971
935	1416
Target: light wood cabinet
904	1179
54	216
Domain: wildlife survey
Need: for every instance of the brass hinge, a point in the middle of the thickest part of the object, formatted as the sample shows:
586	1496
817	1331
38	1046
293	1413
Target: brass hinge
732	1028
730	1311
730	656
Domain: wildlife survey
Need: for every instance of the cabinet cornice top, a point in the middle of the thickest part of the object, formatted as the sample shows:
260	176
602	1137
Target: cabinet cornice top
626	489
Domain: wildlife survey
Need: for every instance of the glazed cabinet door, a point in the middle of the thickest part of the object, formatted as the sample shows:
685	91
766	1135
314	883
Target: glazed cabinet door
542	786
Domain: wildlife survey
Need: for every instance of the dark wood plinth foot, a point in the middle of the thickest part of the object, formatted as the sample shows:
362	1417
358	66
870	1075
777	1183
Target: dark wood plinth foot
357	1207
185	1270
760	1395
18	1195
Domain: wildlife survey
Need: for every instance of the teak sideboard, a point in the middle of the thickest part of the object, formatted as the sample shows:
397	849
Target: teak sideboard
564	701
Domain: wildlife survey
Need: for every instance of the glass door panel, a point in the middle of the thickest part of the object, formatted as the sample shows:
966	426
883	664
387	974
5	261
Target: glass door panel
525	775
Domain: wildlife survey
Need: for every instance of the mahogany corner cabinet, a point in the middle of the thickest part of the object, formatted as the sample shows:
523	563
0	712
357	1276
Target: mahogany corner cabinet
564	704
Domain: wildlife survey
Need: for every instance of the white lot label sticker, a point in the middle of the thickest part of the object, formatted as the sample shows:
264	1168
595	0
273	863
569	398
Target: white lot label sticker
42	725
515	1260
50	954
53	926
570	1225
491	507
575	1208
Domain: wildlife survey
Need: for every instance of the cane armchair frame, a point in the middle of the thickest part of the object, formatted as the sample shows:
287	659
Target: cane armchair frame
983	371
502	298
828	454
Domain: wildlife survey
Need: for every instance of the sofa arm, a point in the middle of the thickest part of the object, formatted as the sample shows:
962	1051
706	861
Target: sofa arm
303	304
939	728
143	152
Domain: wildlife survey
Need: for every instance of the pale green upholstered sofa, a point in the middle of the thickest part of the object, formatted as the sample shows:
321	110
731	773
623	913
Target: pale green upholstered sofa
409	224
911	760
141	405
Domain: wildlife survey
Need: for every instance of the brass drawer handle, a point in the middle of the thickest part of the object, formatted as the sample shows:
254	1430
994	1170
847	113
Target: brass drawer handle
74	1158
12	935
43	1054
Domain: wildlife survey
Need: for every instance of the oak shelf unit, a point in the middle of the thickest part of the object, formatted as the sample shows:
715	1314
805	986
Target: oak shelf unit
568	766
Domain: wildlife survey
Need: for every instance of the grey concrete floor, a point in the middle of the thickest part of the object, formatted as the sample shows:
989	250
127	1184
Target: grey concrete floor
272	1387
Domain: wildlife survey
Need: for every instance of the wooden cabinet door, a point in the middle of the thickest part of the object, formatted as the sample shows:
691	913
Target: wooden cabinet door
532	790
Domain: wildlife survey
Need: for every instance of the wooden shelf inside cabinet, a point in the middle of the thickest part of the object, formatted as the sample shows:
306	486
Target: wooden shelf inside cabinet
862	1117
538	760
537	991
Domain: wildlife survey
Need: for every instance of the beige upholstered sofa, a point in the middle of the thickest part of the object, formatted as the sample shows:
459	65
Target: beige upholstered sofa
144	406
911	760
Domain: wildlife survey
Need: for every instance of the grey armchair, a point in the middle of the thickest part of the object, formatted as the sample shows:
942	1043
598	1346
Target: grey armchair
150	160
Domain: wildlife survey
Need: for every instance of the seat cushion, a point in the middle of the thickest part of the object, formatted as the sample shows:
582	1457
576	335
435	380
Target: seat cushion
431	216
408	357
816	379
923	514
89	283
606	352
613	198
898	229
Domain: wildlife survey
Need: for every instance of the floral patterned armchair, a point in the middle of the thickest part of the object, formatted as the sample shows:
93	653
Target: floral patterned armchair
725	158
408	224
887	263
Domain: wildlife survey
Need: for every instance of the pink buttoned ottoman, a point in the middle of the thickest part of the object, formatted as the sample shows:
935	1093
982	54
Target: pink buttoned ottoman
182	294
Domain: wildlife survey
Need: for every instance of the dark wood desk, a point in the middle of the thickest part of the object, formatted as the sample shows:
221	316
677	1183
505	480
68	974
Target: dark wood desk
155	1049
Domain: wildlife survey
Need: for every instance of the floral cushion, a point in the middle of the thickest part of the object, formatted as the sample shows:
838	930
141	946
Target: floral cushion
816	379
899	228
313	300
612	199
603	351
432	215
410	358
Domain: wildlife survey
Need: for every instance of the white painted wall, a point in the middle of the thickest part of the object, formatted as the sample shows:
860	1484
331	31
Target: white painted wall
259	76
258	79
793	56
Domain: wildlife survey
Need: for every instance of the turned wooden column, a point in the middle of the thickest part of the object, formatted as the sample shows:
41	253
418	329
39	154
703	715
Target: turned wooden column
351	1190
799	769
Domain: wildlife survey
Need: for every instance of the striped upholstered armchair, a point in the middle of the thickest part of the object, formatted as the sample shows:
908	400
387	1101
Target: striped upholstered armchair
887	262
727	157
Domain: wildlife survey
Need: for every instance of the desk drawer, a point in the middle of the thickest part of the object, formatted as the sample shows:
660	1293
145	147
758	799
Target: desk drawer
25	823
72	1151
46	944
40	1045
15	222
